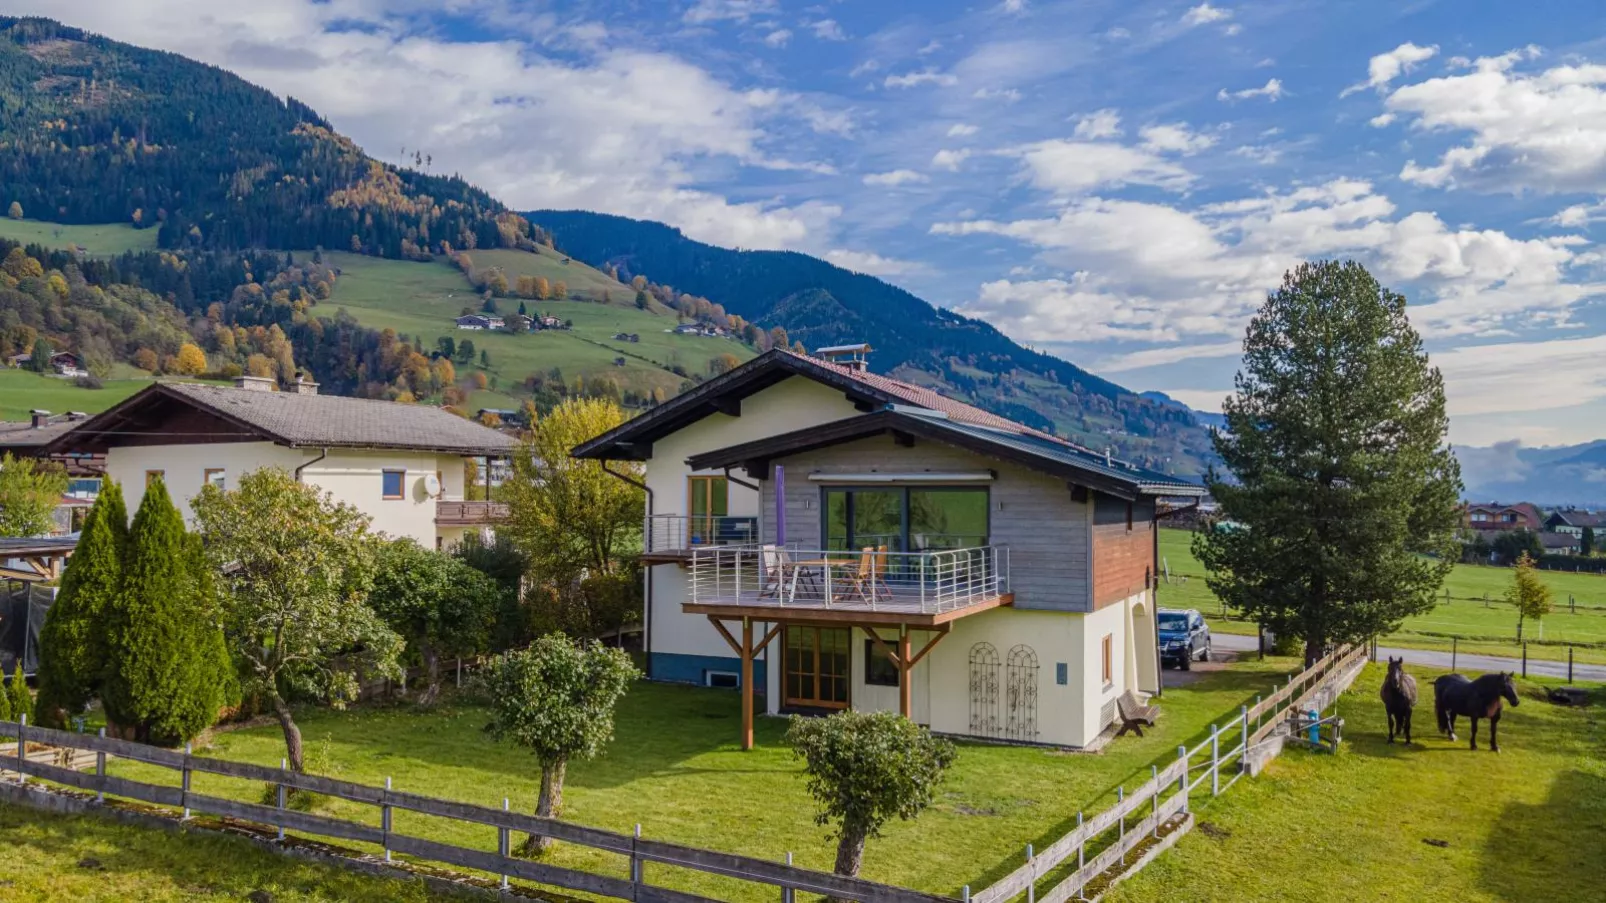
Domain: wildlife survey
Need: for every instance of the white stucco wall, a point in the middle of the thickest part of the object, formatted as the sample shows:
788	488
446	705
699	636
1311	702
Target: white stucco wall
352	476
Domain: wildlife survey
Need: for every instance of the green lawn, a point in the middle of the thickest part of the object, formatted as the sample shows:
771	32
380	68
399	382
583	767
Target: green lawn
23	390
1491	625
1526	825
581	280
55	857
675	768
107	240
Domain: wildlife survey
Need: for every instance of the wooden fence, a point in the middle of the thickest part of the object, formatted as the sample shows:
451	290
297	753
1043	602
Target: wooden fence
1140	815
639	851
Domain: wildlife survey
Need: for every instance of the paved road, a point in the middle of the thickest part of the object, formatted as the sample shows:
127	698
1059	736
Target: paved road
1464	662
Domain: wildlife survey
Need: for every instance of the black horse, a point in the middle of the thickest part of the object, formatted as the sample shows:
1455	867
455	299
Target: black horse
1399	697
1455	695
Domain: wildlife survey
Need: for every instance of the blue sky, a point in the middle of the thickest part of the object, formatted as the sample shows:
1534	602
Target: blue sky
1117	183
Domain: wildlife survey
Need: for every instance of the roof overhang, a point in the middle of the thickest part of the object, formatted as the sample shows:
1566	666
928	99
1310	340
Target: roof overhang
905	428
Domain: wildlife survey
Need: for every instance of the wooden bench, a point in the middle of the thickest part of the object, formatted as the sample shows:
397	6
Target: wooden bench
1134	714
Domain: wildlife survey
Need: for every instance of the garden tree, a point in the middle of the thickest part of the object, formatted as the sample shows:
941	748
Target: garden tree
1586	541
5	705
1528	593
15	211
567	515
72	642
167	672
560	290
294	569
865	768
500	560
1344	486
191	360
1511	545
437	603
30	490
39	356
556	699
19	700
465	351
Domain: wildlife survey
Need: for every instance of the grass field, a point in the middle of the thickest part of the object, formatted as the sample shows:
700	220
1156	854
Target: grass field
23	390
581	280
676	768
1526	825
106	240
54	857
1485	627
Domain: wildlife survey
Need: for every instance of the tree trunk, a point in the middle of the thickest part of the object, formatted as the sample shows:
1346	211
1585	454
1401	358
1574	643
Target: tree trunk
1313	650
1520	618
548	805
850	851
292	735
432	680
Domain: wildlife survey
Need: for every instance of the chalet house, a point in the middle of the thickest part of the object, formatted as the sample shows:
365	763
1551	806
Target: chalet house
832	538
1496	517
547	321
1560	543
520	322
401	464
479	321
62	363
1572	521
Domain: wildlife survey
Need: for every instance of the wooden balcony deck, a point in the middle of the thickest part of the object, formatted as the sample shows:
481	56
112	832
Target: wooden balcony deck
469	514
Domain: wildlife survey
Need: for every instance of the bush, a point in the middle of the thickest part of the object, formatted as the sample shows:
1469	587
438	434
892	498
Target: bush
89	382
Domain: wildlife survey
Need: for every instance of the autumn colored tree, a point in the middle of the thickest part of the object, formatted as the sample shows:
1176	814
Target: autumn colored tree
560	290
479	379
543	289
191	360
145	359
15	212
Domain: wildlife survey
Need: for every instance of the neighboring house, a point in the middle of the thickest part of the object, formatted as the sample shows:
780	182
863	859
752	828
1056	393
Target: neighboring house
1008	587
547	321
65	363
1559	543
1500	518
32	438
401	464
1574	520
705	330
479	321
520	322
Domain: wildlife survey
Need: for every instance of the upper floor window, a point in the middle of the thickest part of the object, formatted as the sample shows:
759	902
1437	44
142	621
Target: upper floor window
214	476
393	483
152	476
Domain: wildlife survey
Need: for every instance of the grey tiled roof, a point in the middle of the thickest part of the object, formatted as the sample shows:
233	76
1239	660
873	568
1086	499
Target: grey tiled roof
23	436
325	420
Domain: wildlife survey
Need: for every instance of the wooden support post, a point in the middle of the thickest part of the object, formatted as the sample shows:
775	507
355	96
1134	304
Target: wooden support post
906	666
100	772
747	683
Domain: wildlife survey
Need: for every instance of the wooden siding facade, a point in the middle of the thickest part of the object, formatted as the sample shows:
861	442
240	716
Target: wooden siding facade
1045	529
1123	547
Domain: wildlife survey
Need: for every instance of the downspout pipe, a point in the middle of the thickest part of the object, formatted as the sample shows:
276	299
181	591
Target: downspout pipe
742	483
321	455
646	573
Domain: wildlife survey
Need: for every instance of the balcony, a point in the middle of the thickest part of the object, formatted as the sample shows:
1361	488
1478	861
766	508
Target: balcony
673	537
780	583
469	514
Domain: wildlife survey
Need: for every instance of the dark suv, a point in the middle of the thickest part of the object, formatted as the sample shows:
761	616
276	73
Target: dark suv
1184	637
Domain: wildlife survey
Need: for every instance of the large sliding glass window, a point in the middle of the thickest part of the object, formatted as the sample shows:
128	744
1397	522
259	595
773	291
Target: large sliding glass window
906	520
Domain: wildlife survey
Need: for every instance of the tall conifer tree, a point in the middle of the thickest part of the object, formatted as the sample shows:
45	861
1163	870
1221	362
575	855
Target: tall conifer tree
72	643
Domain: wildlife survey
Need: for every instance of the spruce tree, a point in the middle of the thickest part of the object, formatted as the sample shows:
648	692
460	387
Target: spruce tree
72	643
21	700
166	669
5	704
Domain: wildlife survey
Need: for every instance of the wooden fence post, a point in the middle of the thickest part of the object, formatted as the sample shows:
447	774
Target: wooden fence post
100	772
636	870
788	895
504	843
384	818
1031	887
1081	848
283	765
184	781
1182	788
22	747
1243	756
1215	761
1120	835
1154	778
1453	643
460	672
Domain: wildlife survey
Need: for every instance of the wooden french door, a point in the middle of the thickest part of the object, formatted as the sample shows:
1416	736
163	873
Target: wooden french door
817	667
708	498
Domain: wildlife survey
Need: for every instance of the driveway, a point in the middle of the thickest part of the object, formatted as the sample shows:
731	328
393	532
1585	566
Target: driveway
1435	659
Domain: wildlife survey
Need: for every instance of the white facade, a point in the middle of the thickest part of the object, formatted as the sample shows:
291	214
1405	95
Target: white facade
353	476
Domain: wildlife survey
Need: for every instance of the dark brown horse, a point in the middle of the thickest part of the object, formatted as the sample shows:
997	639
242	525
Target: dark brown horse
1399	697
1455	695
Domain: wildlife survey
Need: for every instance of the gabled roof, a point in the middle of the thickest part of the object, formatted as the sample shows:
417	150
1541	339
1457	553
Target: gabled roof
298	421
1035	452
1579	518
633	439
22	437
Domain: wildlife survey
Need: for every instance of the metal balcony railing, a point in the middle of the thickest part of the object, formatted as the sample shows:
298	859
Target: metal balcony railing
670	533
869	579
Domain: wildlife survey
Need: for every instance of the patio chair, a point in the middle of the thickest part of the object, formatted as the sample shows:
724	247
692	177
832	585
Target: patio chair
773	564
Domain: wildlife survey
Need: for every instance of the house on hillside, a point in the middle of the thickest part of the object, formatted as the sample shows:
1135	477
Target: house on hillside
1573	521
479	321
830	538
1560	543
547	321
401	464
1495	517
519	323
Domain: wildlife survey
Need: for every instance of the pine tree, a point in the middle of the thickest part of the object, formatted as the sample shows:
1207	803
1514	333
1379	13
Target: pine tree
72	643
167	672
5	704
21	699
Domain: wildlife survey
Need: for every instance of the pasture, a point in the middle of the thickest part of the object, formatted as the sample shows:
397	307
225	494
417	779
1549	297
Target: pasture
24	390
102	240
1430	822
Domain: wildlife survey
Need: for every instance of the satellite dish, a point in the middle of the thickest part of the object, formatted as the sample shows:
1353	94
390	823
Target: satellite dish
432	485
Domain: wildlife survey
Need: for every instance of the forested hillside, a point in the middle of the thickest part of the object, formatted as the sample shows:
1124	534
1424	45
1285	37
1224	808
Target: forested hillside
818	304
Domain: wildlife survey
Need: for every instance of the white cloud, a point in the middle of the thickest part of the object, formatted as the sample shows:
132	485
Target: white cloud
778	37
864	68
962	130
1171	354
1272	90
1578	215
1543	131
872	263
1007	95
1522	376
827	30
1204	14
949	159
1386	67
923	77
727	10
932	46
1104	123
1174	138
1207	400
614	129
896	177
1233	30
1381	120
1154	272
1076	167
1013	7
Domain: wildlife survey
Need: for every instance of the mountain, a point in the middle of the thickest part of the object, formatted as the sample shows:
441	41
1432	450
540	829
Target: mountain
819	304
1546	475
1205	418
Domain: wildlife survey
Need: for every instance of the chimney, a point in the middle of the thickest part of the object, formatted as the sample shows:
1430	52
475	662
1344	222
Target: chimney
854	357
77	415
39	418
255	383
304	386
